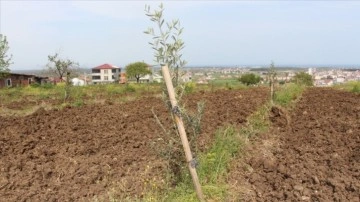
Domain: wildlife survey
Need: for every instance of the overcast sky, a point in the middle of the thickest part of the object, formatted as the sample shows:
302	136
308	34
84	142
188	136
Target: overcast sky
215	32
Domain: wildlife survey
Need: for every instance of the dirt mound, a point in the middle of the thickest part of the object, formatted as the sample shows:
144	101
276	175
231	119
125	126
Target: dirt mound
81	152
318	160
279	117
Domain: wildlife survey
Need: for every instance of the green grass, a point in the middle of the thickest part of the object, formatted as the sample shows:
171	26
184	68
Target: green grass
288	93
96	93
212	169
214	164
222	84
351	86
78	94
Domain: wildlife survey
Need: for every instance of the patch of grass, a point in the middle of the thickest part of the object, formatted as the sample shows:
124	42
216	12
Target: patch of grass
221	84
214	164
129	88
356	88
288	93
79	95
190	87
351	86
257	123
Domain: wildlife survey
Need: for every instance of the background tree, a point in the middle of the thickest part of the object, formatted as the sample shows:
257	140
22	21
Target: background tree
137	70
61	67
5	60
249	79
303	78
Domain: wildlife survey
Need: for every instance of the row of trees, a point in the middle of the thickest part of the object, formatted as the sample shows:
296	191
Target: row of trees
301	78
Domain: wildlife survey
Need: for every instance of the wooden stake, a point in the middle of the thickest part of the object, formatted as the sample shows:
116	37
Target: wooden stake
272	90
181	129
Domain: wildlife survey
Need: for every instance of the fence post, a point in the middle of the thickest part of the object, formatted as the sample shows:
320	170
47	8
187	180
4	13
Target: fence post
180	125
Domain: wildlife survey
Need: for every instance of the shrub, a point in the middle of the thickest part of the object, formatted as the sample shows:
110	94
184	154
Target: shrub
303	78
129	88
190	87
249	79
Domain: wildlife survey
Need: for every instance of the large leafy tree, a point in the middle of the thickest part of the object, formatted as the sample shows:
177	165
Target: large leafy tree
249	79
303	78
137	70
5	59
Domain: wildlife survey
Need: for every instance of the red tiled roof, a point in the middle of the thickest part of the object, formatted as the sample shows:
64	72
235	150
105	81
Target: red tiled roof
106	66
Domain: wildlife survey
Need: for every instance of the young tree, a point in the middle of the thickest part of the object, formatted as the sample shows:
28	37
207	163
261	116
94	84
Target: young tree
137	70
272	79
167	43
61	67
303	78
5	60
249	79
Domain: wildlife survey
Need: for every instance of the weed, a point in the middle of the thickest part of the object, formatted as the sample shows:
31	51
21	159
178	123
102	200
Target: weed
129	88
356	88
190	87
212	168
351	86
78	103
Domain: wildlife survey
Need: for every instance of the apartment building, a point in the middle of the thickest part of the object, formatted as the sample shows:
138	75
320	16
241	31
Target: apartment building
105	73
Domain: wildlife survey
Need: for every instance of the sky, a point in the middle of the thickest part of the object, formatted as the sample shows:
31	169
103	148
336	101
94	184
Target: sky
227	33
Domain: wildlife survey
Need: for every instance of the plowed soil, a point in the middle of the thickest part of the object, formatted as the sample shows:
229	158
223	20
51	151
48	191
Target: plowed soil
76	154
314	158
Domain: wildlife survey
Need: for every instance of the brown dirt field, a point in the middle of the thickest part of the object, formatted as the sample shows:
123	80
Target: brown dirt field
85	152
315	158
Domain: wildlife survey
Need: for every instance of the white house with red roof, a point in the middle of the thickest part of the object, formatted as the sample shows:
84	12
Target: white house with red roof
105	73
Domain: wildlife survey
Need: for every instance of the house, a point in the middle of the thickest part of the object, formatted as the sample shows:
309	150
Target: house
77	82
105	73
151	78
17	80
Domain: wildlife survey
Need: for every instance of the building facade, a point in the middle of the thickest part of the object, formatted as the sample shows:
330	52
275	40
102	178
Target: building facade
105	73
18	80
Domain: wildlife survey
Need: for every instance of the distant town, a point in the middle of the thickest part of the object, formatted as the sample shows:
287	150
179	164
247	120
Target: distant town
322	76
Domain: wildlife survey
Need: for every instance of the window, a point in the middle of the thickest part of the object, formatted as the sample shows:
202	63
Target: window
95	71
95	77
8	82
113	70
106	78
105	71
